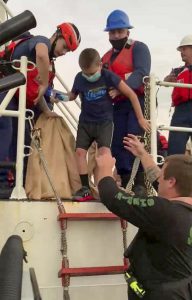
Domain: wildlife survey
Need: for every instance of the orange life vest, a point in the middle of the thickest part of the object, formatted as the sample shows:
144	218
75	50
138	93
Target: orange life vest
163	142
181	95
32	85
122	65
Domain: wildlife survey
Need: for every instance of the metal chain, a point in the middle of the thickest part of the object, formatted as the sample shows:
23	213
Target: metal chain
65	261
36	139
147	116
147	135
137	161
124	231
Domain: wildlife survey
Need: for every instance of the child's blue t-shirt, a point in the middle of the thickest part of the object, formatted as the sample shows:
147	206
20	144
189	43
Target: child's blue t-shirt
96	104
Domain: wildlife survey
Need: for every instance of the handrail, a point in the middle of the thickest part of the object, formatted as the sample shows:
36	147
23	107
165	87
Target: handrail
6	8
60	107
67	89
153	83
18	191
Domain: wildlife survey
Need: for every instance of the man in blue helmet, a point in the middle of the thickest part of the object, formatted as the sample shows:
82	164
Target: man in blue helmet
130	60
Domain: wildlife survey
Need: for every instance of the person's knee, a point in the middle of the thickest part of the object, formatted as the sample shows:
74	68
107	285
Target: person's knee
104	150
81	153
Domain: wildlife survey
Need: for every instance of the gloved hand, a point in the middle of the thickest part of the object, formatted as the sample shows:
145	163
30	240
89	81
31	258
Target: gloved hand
62	97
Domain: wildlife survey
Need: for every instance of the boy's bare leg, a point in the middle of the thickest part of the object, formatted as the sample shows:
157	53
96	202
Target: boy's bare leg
81	157
101	151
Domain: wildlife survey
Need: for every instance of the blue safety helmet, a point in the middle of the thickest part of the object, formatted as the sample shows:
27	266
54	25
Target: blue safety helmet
116	20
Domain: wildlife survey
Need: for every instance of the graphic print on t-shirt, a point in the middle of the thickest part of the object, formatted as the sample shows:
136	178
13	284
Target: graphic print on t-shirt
95	94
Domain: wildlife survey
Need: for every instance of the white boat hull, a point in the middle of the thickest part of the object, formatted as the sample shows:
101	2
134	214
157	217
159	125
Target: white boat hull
90	243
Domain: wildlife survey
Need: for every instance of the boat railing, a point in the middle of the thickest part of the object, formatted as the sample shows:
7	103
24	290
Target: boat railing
154	82
18	191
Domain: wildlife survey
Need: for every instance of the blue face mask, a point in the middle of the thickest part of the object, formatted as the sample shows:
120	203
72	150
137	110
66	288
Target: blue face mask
93	77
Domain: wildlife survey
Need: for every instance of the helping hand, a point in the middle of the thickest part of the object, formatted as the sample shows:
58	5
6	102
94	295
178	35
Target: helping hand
172	77
132	143
145	124
42	90
51	114
114	93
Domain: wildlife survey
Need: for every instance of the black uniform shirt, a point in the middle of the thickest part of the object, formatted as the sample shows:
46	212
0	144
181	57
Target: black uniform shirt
162	248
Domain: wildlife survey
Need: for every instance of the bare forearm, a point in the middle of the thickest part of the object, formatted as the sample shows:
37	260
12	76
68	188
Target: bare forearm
43	70
72	96
103	172
42	105
42	62
151	169
137	107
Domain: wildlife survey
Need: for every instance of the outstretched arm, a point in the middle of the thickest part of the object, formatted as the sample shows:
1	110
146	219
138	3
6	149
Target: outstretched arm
130	94
132	143
145	213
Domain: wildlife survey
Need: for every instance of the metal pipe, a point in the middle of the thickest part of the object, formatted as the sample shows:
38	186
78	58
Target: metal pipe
66	87
68	110
173	84
6	8
174	128
7	99
62	82
66	116
19	191
9	113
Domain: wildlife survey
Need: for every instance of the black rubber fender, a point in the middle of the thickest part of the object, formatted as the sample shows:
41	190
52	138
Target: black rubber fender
11	269
16	26
12	81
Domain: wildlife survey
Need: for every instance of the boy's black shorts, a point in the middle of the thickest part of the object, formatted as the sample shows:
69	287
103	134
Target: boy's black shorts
88	132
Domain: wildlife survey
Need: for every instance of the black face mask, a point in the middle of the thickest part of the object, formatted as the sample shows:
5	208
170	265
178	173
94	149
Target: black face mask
118	44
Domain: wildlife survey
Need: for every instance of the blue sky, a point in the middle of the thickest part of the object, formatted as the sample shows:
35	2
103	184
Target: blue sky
161	24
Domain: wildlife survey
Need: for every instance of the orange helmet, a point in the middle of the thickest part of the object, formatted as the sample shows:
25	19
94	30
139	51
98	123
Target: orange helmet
70	34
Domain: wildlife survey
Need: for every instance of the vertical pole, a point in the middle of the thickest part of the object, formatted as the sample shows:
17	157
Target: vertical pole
18	191
153	117
6	9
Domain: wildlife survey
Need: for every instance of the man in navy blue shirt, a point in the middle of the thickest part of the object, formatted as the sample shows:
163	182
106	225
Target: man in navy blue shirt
131	61
96	119
42	51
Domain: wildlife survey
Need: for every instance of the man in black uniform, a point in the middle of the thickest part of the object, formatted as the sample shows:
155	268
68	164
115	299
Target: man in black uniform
161	253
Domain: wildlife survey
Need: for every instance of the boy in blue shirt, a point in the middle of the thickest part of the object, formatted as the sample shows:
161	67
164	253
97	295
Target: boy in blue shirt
93	84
